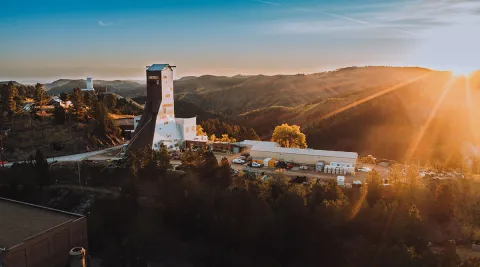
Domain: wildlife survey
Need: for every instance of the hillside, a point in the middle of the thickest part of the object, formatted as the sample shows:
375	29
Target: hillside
387	125
184	109
116	86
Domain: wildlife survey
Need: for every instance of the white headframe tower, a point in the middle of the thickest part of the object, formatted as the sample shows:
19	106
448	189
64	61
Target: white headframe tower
158	124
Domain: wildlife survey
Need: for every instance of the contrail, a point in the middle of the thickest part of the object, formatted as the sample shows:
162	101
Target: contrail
333	15
346	18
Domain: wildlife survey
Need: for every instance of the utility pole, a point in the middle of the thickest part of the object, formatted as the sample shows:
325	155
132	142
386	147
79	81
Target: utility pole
1	151
79	181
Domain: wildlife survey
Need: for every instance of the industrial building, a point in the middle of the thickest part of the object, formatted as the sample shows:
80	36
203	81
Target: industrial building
89	86
35	236
158	124
259	151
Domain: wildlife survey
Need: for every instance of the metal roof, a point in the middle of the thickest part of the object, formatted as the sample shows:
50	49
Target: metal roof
259	144
299	151
19	221
157	67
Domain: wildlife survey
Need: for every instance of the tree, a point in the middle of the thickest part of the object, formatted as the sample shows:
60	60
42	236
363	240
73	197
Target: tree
224	174
200	131
213	138
11	104
162	157
42	170
39	95
64	96
443	204
59	115
110	102
289	136
77	101
225	138
374	187
104	125
87	98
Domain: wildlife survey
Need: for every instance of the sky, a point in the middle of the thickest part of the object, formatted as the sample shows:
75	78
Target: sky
49	39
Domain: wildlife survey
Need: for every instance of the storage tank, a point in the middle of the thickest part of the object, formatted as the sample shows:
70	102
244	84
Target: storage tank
77	257
266	161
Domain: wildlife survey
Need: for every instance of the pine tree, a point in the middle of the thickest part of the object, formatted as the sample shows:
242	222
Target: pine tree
64	96
110	102
11	104
42	170
77	101
39	95
59	115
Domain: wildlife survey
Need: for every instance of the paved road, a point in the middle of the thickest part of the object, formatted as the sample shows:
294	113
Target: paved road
77	157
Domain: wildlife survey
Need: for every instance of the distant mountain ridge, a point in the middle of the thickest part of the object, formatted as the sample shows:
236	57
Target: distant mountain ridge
116	86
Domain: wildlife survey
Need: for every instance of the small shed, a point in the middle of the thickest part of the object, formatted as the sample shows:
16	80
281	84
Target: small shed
341	180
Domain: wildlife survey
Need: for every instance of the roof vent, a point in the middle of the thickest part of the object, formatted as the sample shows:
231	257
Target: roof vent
77	257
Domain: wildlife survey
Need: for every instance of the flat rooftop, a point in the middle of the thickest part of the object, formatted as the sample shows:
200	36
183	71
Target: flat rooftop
19	221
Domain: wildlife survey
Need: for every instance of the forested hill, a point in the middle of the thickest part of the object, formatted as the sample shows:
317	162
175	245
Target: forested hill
117	86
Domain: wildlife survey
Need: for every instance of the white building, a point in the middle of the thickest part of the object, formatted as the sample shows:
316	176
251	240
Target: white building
169	131
89	85
260	150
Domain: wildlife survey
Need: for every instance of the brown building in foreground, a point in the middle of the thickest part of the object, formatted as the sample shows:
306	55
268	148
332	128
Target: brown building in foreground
35	236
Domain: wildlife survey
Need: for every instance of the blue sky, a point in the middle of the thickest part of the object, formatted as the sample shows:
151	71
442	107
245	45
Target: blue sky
47	40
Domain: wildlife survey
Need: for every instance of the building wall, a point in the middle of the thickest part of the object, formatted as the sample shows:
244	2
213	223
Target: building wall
50	248
190	128
298	158
166	111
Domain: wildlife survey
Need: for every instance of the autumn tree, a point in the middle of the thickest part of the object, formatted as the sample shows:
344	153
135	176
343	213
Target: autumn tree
200	131
289	136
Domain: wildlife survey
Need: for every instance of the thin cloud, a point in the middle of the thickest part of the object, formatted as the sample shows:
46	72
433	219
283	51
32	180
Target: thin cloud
268	2
105	24
346	18
336	16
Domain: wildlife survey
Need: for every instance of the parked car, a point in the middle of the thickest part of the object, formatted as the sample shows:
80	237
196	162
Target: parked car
364	169
285	165
303	167
255	165
238	161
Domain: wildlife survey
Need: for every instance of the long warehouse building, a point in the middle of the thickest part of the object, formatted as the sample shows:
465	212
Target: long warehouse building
261	150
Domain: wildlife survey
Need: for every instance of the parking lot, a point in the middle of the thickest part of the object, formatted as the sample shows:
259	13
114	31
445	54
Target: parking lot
295	171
